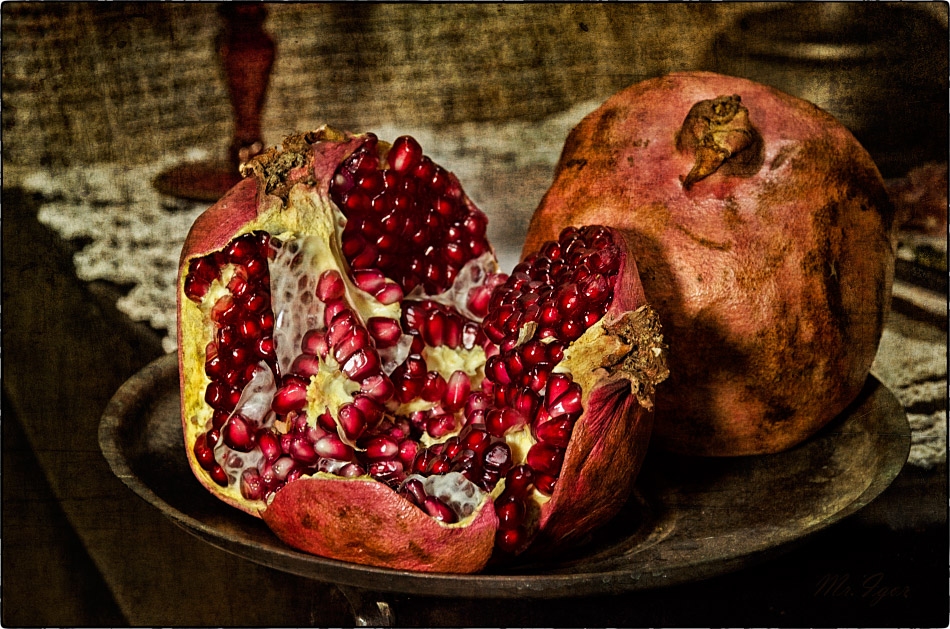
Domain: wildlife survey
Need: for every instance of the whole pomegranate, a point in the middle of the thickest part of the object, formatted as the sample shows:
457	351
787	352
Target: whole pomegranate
356	372
765	237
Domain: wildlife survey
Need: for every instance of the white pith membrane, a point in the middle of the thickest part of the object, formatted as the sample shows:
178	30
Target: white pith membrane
305	244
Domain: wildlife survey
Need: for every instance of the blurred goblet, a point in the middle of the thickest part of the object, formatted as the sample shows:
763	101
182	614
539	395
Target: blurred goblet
247	53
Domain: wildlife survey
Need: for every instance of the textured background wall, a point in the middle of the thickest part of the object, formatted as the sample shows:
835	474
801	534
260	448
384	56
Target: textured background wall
101	82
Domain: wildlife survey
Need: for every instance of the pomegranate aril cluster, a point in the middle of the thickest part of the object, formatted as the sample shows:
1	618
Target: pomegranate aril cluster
242	336
564	289
409	220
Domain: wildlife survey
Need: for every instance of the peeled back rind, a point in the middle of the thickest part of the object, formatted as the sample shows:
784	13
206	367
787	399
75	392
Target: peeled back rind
767	247
618	363
363	521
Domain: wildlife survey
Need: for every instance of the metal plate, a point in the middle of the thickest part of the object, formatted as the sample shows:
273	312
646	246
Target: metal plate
689	519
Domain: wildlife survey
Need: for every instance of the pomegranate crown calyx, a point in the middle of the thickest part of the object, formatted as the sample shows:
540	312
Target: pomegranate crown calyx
718	132
274	166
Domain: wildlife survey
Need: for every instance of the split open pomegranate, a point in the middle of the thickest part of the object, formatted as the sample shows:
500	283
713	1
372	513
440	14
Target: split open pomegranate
356	371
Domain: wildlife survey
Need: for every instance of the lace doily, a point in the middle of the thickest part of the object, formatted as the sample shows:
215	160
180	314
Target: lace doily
135	235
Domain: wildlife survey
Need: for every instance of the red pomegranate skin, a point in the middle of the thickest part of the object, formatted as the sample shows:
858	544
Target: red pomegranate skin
772	278
363	521
609	442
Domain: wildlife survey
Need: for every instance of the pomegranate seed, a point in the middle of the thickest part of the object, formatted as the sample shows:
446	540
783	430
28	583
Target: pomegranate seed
510	540
595	288
424	169
571	330
381	448
475	224
361	364
242	249
227	337
225	310
351	420
218	419
215	367
331	447
439	510
267	321
205	268
217	396
434	387
545	459
545	483
238	435
500	421
333	310
476	441
557	386
372	183
519	480
290	397
386	332
195	287
389	293
433	328
385	470
534	353
286	440
256	268
358	339
204	454
330	286
408	450
379	387
498	457
351	470
514	366
451	447
240	357
369	280
477	401
239	286
557	433
414	490
219	476
405	154
440	425
366	258
249	328
457	391
510	514
495	369
302	451
265	347
478	300
282	467
569	403
340	327
549	313
252	487
306	365
269	446
422	461
526	401
315	343
438	465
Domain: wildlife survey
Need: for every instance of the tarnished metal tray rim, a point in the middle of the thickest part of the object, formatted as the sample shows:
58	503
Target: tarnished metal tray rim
683	523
